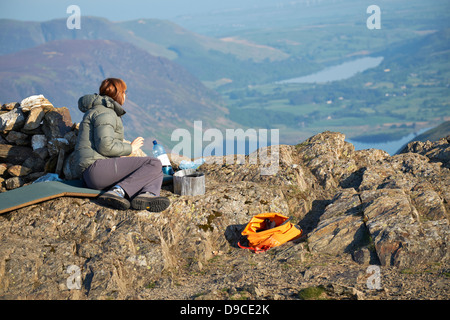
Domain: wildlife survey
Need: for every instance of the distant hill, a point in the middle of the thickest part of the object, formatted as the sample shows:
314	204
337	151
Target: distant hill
162	95
208	58
441	131
19	35
175	38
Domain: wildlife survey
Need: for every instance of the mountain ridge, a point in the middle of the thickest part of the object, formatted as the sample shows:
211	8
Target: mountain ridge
162	95
158	37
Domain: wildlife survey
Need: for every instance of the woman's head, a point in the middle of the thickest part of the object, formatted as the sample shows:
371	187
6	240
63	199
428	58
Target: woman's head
114	88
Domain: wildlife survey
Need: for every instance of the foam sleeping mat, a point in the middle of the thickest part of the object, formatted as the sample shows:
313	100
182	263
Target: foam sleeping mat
43	191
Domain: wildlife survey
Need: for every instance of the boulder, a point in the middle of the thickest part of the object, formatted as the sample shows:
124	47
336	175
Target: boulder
14	154
57	123
35	101
10	106
12	120
18	170
38	141
341	227
34	119
17	138
438	151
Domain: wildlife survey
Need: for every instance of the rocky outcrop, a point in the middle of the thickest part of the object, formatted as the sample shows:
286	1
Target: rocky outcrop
438	151
356	208
397	206
35	138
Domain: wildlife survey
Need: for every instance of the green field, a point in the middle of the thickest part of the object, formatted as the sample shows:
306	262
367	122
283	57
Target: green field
408	91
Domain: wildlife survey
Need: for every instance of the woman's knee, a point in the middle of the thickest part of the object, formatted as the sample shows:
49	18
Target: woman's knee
156	163
152	165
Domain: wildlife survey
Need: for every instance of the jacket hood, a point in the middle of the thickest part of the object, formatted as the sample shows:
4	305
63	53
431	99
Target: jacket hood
89	101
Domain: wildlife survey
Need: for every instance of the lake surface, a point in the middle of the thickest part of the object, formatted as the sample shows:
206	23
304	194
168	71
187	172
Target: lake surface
391	147
342	71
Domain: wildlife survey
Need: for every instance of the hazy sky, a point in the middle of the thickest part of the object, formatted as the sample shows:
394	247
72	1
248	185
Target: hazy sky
116	10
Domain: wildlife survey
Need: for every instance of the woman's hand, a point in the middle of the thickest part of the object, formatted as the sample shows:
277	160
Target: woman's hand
137	144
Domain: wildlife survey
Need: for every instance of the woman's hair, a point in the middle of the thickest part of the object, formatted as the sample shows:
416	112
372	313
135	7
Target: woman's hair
114	88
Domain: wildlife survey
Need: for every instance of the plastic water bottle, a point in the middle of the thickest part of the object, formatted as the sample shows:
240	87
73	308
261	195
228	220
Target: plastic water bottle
191	164
160	153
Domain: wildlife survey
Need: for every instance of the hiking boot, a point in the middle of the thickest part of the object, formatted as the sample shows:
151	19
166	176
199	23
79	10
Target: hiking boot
115	198
150	202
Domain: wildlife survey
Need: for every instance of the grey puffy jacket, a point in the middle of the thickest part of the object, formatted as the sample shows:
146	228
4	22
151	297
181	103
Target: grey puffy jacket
101	131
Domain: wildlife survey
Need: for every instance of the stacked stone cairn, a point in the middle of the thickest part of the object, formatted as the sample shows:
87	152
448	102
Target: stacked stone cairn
35	139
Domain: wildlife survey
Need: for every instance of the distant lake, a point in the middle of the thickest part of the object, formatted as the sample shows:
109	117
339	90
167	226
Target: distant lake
342	71
391	147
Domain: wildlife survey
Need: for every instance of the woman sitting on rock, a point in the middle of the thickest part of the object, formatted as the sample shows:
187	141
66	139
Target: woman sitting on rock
101	154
